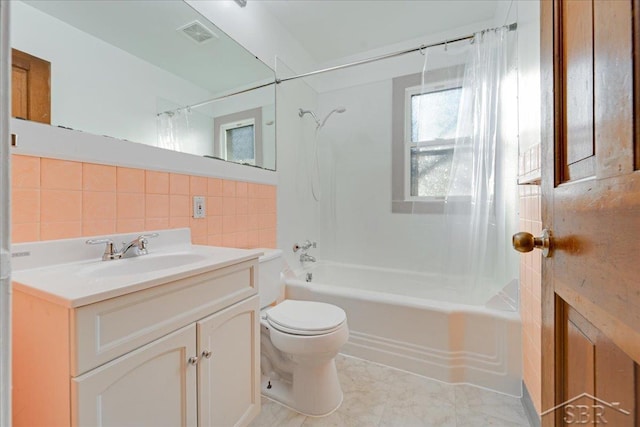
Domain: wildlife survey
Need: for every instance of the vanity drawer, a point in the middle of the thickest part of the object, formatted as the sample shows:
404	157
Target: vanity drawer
102	331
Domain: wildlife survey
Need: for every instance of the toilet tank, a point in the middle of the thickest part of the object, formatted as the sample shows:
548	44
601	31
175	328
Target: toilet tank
269	280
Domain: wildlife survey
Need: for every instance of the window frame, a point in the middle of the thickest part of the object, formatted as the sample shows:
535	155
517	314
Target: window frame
219	138
224	127
399	152
409	92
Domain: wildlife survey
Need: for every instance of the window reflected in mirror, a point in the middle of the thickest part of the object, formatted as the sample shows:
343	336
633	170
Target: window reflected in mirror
240	142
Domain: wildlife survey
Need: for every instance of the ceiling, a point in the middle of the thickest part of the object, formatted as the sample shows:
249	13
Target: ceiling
331	29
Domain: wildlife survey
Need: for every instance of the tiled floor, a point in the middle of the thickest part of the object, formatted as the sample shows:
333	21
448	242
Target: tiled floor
375	395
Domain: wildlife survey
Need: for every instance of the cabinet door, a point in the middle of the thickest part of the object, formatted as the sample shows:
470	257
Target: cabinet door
229	379
151	386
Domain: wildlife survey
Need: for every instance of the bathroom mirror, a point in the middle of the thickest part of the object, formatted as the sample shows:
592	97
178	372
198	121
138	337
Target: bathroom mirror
132	69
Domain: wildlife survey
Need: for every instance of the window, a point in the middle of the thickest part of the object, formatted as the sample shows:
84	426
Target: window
239	142
424	125
431	117
237	137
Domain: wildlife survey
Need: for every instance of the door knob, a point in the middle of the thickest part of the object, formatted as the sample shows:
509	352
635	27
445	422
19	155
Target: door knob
526	242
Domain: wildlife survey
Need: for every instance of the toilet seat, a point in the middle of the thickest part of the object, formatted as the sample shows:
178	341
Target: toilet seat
306	317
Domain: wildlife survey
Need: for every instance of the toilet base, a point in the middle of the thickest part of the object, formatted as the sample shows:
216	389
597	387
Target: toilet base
281	391
302	369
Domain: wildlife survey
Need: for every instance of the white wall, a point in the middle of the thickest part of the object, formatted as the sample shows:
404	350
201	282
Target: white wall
298	215
356	147
96	87
529	73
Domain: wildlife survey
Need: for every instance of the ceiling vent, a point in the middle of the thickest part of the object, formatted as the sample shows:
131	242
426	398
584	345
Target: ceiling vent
197	32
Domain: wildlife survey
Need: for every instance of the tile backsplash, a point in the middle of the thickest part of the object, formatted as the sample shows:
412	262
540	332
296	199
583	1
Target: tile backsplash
531	274
57	199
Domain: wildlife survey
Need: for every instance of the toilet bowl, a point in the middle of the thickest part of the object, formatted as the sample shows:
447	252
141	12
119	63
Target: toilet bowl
299	341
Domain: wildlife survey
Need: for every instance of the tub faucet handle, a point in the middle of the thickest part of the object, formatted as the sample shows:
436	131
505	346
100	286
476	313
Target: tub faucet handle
304	246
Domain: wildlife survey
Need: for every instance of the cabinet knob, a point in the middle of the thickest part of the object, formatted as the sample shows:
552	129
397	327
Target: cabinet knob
193	360
206	354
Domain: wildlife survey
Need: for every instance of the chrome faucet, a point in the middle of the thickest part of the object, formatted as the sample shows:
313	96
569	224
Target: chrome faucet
110	253
304	247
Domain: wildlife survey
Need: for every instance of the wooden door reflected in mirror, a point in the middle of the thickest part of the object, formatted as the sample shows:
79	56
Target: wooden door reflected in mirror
30	87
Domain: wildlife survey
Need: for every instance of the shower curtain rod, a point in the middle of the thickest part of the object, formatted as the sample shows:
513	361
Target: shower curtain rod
510	27
421	48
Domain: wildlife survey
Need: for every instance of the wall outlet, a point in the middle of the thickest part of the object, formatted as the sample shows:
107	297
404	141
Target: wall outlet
199	210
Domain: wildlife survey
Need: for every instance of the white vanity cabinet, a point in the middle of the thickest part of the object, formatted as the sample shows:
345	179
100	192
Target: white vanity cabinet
151	386
228	380
182	353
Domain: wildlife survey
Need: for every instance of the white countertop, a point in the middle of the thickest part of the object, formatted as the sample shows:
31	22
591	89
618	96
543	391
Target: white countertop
61	271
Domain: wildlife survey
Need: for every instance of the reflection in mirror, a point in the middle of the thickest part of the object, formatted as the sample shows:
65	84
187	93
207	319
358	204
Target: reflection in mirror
238	128
130	69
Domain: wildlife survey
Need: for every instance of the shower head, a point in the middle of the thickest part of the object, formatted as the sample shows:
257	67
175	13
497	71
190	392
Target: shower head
339	110
302	113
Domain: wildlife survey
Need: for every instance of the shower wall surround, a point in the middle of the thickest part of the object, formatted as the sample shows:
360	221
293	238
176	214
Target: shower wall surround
56	199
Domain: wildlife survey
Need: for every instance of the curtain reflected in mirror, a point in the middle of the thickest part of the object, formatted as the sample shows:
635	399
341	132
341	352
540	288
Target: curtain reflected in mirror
173	129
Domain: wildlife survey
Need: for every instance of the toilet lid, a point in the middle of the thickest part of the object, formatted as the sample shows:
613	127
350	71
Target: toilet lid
306	317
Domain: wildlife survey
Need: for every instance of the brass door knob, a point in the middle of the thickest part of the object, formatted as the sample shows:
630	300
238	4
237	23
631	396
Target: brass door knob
526	242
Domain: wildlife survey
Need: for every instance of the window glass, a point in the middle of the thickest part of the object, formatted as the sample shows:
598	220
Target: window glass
240	144
430	171
434	115
432	119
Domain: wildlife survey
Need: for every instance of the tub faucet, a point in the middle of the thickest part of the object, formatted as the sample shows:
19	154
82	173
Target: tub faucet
304	257
305	246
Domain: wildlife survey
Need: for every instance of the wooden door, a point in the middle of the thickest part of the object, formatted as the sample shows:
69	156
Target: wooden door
30	87
229	368
152	386
591	202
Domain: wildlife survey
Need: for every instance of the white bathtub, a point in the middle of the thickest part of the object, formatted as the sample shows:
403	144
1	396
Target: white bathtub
421	323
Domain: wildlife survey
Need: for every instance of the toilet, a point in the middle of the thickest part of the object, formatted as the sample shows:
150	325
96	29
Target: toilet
299	341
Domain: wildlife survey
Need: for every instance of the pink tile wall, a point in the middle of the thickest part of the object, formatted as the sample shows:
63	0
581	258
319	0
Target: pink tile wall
531	276
57	199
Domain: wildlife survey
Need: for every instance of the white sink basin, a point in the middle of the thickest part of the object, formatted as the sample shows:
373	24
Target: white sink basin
70	273
140	264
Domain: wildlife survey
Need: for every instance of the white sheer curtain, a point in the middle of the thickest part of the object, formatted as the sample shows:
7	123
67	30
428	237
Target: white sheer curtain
480	205
174	131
